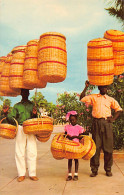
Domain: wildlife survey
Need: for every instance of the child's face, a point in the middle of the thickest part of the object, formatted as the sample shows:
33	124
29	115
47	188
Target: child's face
73	120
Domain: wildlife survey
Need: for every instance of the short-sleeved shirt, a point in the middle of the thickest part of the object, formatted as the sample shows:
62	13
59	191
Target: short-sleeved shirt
102	105
21	111
74	131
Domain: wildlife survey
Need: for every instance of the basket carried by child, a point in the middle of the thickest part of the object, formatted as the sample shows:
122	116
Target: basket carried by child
8	131
65	148
41	127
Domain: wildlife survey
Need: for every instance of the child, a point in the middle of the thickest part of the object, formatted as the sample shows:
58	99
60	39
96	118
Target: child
73	131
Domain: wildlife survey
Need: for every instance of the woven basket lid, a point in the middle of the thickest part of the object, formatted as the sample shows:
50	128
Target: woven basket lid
53	34
114	35
34	41
19	48
99	42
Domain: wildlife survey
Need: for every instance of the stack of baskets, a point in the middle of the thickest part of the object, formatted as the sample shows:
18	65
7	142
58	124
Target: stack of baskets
8	131
4	81
41	127
117	38
2	60
100	62
52	57
16	68
65	148
30	75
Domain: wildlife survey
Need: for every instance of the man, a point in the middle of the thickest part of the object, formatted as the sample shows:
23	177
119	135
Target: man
102	126
22	111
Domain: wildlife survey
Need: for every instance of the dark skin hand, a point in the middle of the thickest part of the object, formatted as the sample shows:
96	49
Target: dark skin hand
83	92
116	115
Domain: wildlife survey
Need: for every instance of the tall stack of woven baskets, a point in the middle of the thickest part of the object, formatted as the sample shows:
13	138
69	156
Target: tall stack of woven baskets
33	65
105	58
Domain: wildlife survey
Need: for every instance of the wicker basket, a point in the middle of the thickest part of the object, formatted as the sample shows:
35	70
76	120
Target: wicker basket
38	126
16	68
117	38
45	136
8	131
30	76
52	57
100	63
61	147
4	81
2	60
57	149
90	147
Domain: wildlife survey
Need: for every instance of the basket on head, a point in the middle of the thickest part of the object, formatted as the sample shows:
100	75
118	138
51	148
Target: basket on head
30	76
4	81
8	131
100	63
17	67
117	38
52	57
89	147
38	126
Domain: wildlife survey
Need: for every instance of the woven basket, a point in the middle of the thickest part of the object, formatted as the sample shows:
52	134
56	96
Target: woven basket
61	147
8	131
57	149
100	63
45	136
52	57
117	38
2	60
4	81
38	126
16	68
90	147
30	76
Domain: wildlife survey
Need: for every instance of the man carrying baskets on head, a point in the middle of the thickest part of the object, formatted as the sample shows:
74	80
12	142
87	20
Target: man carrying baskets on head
102	126
22	111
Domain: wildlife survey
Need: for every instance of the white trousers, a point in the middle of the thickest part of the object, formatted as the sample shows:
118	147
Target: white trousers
23	142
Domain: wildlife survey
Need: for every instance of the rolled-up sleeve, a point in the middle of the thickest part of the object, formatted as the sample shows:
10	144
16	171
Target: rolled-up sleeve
87	99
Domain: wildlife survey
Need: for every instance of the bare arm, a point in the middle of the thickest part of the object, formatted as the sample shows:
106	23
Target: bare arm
116	115
83	92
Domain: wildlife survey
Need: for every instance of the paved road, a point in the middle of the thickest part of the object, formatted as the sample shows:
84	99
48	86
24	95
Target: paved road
52	174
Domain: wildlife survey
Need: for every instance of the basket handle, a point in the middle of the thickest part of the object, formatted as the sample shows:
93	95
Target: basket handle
15	122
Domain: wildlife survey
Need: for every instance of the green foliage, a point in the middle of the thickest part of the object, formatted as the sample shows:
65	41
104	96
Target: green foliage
41	102
116	90
116	9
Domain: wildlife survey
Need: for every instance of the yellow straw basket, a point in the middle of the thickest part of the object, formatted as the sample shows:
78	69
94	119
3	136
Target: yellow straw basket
89	147
100	62
4	81
57	146
61	147
17	67
8	131
30	76
2	60
38	126
44	136
117	38
52	57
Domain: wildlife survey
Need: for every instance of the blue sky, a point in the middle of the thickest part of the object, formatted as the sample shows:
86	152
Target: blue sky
79	20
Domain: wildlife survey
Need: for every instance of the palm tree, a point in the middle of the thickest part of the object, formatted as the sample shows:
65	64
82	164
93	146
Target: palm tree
116	8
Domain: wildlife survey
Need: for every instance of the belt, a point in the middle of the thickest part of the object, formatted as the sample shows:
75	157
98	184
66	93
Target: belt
100	118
